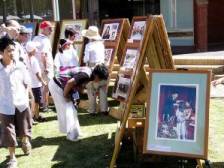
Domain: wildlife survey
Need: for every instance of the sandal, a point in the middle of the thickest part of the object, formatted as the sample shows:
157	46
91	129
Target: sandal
40	118
26	147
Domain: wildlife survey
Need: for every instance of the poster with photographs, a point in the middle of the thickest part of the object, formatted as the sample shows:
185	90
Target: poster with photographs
110	31
77	25
138	30
130	59
122	87
108	56
177	113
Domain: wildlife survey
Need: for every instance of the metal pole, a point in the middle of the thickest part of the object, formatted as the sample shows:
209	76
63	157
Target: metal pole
4	11
55	5
31	11
73	9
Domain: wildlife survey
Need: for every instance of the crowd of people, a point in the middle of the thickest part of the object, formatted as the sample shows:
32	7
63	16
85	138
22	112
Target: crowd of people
29	73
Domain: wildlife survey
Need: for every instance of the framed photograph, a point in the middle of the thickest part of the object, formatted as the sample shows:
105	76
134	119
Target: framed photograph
32	26
131	58
138	28
52	36
109	55
177	113
78	26
110	29
122	87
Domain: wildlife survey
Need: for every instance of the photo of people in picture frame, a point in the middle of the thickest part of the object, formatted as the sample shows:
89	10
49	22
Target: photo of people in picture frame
138	30
108	56
131	57
78	28
110	31
122	85
177	112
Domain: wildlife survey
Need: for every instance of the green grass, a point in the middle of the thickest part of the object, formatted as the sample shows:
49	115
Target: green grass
51	149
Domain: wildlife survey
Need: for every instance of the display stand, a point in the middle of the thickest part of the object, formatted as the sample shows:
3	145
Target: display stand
153	46
114	33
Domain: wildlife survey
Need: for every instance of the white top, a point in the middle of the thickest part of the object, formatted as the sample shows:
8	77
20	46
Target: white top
19	52
67	58
34	68
45	48
13	93
94	52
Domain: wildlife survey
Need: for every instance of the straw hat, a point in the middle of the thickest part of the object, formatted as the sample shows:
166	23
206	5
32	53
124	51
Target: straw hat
92	33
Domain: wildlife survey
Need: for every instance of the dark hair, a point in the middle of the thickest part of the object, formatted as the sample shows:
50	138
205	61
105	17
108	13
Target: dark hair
69	32
5	42
81	78
101	71
61	43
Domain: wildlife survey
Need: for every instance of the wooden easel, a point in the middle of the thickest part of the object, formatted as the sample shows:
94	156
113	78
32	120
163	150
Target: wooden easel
155	47
117	44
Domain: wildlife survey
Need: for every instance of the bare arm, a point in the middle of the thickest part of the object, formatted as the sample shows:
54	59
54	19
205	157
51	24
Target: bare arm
68	87
40	78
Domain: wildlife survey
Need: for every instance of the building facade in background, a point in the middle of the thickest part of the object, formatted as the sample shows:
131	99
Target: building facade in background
192	25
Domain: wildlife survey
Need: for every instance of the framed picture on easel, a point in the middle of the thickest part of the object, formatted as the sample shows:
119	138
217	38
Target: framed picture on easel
177	113
77	25
110	29
109	55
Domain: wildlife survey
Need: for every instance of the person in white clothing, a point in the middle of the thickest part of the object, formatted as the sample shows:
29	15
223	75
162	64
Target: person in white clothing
45	58
94	55
66	57
36	79
15	116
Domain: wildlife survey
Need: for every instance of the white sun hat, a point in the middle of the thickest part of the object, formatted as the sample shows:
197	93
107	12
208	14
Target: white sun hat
31	45
92	33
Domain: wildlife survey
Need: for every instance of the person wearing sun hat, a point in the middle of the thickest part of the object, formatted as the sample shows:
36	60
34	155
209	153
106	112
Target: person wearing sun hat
45	58
94	55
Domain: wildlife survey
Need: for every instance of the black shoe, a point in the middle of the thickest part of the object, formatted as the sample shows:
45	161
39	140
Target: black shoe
105	112
93	114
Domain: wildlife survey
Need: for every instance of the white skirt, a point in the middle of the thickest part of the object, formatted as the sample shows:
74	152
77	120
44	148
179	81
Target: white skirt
66	112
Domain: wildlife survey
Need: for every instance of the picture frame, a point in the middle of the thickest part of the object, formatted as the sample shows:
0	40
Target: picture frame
138	27
130	58
109	55
32	26
110	29
177	113
78	25
122	87
53	33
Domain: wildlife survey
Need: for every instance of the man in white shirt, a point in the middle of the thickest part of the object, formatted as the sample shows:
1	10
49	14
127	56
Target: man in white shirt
94	55
15	116
45	58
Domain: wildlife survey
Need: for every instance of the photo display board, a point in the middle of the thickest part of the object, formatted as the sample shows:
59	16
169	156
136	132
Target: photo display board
177	113
114	32
130	59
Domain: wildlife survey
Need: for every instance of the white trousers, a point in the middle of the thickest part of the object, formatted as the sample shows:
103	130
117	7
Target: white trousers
92	89
66	112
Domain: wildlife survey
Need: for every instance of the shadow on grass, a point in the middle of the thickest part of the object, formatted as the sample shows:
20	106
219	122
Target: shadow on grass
85	119
94	152
217	164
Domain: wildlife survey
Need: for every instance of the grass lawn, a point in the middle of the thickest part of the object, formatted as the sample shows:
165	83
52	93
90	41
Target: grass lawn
51	149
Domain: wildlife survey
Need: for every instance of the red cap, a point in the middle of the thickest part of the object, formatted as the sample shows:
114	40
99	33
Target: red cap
45	24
